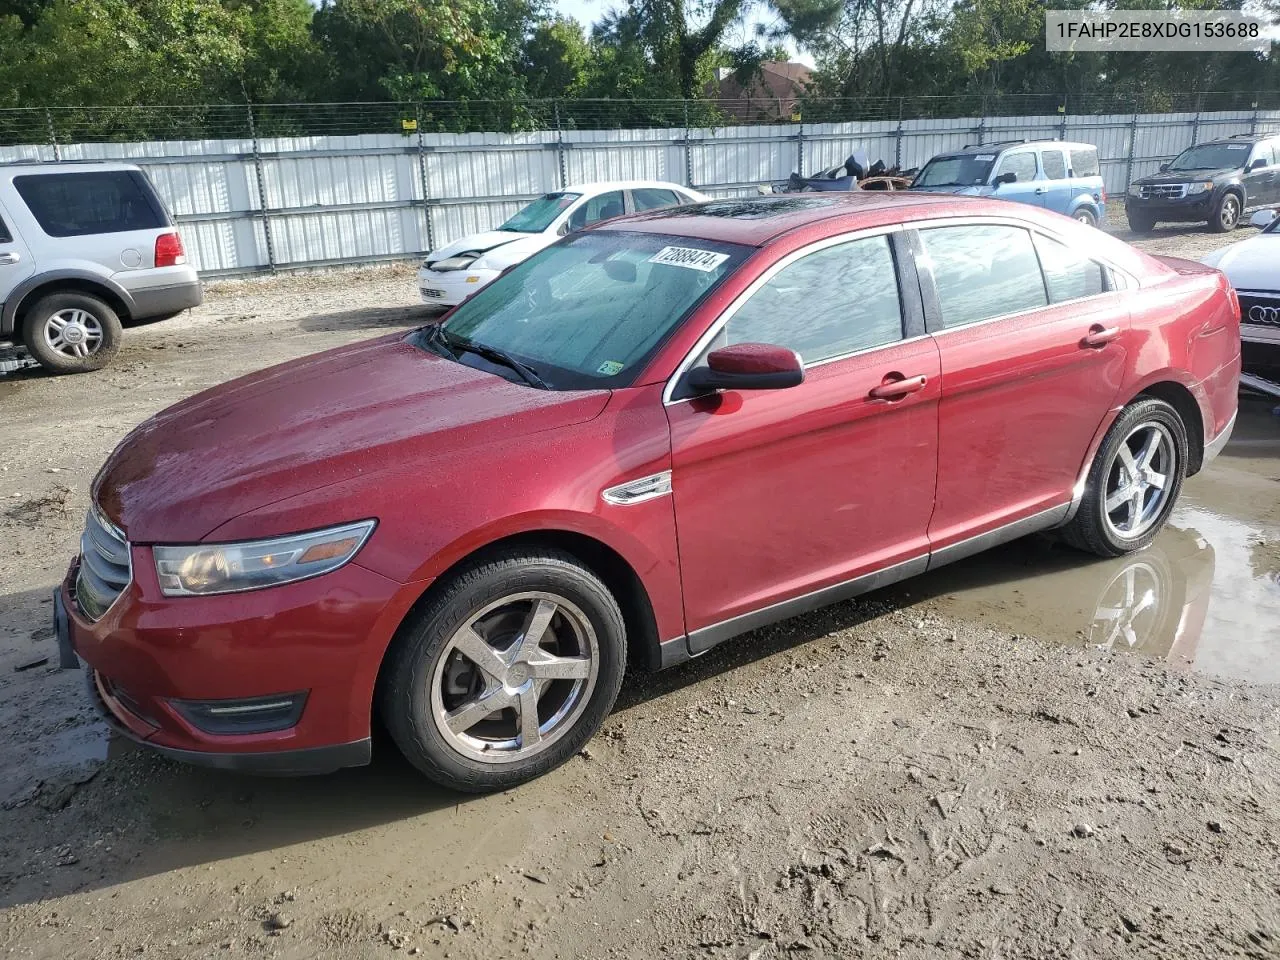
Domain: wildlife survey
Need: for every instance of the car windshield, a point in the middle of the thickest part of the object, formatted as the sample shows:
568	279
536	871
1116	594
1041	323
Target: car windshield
1212	156
963	171
540	214
589	311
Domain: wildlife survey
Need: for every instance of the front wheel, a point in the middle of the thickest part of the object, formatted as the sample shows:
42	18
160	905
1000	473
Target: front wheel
1141	222
1227	216
1133	482
506	673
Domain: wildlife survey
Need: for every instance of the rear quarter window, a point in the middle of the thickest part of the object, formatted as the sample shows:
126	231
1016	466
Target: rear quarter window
81	204
5	235
1084	163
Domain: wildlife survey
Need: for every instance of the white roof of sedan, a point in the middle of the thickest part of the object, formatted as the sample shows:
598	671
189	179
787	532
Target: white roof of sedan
604	186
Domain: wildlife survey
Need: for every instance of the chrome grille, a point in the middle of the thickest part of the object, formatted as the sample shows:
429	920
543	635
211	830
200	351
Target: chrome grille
105	569
1164	191
1261	311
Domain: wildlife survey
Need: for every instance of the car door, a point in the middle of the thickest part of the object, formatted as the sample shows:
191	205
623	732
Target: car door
15	258
1058	191
1032	343
1026	186
781	493
1260	178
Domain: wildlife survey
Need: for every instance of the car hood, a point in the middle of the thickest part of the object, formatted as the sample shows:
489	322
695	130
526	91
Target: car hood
1251	264
313	422
1186	176
509	240
973	190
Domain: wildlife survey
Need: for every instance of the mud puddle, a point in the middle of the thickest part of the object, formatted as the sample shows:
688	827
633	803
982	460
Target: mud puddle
1205	596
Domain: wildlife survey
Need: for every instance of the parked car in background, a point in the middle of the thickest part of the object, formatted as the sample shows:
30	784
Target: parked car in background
456	271
1054	174
1215	182
1253	267
641	442
83	247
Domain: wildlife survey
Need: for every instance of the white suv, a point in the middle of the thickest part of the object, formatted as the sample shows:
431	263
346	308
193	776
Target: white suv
84	246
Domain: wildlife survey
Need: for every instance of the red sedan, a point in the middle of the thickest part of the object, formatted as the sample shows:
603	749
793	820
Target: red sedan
642	442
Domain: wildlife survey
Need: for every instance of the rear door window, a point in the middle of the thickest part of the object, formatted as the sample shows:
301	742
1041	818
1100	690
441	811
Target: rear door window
983	271
1055	168
1068	273
1021	165
79	204
647	198
1084	163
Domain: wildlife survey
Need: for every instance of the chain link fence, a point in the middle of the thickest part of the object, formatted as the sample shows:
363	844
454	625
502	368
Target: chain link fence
54	126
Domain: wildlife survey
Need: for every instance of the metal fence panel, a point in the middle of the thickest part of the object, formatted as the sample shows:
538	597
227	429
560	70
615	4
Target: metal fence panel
257	202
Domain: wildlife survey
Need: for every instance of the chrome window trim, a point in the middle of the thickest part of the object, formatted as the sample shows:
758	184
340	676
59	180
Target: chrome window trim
728	313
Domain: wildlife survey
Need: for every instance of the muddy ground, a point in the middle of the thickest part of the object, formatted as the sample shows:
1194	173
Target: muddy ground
1028	754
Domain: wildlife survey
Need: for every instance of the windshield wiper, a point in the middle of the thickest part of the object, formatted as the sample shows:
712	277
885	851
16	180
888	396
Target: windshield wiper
437	338
494	355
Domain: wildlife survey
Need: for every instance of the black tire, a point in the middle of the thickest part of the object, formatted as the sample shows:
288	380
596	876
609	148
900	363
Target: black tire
1090	529
1140	222
404	689
1085	216
1226	216
44	310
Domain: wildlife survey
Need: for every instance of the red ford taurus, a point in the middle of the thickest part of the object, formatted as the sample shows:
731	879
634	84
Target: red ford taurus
640	443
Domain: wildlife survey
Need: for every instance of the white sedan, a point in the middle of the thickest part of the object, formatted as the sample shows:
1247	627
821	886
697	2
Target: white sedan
454	272
1253	267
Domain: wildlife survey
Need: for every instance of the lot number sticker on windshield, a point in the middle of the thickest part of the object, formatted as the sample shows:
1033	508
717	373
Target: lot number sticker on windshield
985	156
609	368
704	260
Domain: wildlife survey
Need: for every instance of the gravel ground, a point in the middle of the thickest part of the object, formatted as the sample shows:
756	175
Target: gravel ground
953	768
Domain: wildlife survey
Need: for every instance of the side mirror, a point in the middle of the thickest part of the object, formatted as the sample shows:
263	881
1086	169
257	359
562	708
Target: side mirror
748	366
1006	178
1164	167
1257	164
1263	218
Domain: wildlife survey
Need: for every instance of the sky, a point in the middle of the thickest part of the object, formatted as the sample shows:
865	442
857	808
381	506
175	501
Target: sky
587	12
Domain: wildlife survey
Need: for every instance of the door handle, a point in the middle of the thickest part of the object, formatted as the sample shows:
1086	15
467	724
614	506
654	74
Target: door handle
1039	190
895	387
10	257
1099	336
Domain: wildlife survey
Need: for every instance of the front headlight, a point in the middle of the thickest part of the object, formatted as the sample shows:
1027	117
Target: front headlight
206	568
1135	190
458	262
1201	187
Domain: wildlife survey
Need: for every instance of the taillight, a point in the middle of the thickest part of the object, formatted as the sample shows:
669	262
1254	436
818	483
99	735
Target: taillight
1104	194
169	252
1235	302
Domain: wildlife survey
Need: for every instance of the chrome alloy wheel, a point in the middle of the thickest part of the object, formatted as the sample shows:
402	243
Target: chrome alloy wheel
1139	479
515	677
73	333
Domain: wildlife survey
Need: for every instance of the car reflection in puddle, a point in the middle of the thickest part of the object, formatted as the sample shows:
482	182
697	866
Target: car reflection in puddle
1204	596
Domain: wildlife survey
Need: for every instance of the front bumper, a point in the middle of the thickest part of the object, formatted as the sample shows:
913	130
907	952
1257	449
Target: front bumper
149	656
448	288
1188	209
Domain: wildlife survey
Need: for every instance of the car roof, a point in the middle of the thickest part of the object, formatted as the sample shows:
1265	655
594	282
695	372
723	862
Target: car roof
1003	145
16	168
753	221
604	186
1254	138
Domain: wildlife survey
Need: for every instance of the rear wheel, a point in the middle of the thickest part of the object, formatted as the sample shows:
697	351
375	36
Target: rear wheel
71	332
1085	216
1227	216
1141	222
506	673
1133	482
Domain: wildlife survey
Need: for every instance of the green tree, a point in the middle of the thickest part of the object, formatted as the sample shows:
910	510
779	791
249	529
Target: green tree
557	60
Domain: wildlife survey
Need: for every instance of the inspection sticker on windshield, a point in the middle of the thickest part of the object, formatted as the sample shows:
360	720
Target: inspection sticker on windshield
609	368
704	260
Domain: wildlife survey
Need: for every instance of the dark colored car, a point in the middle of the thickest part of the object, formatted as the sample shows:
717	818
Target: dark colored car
641	442
1214	182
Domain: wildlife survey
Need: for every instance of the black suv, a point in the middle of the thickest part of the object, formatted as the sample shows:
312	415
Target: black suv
1215	181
